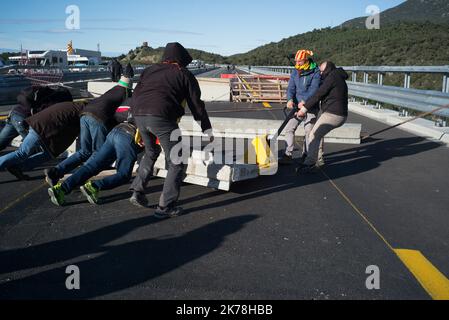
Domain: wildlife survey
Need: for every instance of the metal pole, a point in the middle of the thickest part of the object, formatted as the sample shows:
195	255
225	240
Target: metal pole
446	83
407	79
380	79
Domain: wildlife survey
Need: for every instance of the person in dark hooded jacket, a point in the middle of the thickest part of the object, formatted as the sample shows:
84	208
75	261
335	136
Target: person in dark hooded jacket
52	131
129	71
116	70
159	103
333	94
29	102
97	119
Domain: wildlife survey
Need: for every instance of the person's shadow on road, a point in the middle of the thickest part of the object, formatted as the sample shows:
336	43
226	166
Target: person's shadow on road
116	267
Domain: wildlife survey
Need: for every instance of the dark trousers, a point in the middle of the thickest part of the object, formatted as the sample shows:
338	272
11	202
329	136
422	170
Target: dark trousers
92	137
13	128
119	147
151	128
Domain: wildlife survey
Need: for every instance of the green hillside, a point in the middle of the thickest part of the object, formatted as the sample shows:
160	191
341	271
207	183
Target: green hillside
434	11
399	44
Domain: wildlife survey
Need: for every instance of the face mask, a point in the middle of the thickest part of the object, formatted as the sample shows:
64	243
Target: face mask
305	66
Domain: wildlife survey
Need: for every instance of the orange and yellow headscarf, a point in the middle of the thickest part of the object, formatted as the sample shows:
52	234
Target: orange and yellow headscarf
301	55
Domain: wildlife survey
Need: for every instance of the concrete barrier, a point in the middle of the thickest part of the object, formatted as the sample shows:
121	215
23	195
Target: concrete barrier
239	128
211	89
215	89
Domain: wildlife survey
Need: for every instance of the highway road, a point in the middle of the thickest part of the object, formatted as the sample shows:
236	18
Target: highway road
276	237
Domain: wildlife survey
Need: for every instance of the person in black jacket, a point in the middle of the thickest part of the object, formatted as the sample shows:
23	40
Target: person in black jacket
52	131
96	122
159	103
333	94
116	70
129	71
29	102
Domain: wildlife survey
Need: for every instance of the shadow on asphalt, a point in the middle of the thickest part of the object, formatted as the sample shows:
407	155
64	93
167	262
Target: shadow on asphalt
345	163
118	267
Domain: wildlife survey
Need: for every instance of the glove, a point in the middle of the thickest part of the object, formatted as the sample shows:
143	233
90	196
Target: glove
138	139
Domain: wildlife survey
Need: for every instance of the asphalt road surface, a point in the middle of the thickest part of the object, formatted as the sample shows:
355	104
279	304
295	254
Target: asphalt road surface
275	237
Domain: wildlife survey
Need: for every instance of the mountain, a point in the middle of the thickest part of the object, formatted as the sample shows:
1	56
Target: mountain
433	11
406	37
399	44
148	55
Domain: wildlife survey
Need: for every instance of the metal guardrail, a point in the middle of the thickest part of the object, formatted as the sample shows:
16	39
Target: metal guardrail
380	70
418	100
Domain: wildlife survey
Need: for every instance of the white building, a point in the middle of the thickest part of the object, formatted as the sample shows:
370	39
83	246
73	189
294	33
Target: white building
58	58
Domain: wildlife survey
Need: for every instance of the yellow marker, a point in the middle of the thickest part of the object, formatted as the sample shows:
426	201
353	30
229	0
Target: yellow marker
432	280
263	151
267	105
3	118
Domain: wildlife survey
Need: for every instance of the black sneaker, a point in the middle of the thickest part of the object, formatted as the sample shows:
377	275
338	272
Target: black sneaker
16	172
167	213
286	160
51	177
306	169
139	200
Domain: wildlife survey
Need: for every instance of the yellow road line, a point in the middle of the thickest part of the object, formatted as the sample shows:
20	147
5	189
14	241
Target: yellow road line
26	195
430	278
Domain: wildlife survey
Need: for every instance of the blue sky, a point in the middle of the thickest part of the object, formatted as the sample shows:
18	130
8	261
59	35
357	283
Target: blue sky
224	27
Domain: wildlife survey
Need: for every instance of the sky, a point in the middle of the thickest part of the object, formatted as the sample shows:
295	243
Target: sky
223	27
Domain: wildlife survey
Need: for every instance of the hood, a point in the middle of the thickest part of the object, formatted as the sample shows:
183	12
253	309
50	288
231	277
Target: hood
331	69
175	52
342	73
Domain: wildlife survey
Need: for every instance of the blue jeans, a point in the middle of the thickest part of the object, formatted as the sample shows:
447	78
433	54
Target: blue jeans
31	154
92	137
119	147
13	128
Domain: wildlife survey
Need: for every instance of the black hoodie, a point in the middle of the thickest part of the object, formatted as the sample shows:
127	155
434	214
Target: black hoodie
37	98
163	88
103	108
333	92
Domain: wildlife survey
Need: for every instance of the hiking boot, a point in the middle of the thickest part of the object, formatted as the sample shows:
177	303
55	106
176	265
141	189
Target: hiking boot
51	177
306	169
169	212
90	192
18	173
286	160
138	199
57	195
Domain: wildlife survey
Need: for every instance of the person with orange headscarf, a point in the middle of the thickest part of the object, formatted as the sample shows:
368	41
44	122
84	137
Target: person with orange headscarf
304	82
